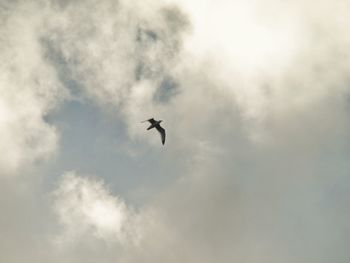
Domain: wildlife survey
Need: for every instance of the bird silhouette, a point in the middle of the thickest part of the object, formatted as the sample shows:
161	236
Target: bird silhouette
156	124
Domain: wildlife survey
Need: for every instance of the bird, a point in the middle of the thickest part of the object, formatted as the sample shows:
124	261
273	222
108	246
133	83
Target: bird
156	124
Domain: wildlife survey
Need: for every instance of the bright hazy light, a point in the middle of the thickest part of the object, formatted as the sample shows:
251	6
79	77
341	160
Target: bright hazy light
105	215
243	35
84	203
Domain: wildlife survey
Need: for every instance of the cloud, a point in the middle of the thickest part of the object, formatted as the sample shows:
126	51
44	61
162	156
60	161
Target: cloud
128	60
85	207
113	51
29	90
270	65
255	98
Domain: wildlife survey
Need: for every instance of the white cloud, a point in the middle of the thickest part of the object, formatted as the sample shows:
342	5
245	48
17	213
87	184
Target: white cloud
85	207
271	59
265	59
29	89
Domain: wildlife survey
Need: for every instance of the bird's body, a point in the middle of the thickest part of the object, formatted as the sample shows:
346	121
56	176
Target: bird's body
156	124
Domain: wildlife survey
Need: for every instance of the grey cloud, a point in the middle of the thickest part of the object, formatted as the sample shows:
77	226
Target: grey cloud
168	88
108	52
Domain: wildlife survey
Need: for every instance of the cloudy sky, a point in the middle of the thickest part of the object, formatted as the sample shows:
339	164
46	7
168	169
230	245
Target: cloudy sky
255	98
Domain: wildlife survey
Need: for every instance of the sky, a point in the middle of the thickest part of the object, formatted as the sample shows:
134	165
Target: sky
254	96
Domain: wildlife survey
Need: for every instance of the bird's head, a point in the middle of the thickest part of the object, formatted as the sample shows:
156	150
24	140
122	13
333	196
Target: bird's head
160	121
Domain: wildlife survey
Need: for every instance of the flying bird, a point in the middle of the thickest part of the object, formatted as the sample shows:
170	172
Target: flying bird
156	124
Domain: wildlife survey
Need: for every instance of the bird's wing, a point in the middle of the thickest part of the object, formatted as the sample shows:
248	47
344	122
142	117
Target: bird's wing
152	121
162	133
